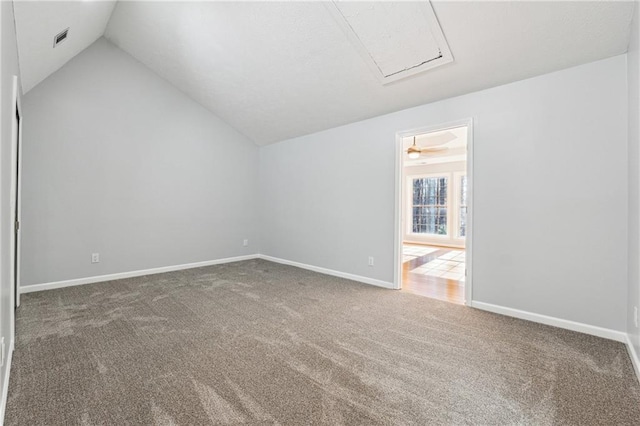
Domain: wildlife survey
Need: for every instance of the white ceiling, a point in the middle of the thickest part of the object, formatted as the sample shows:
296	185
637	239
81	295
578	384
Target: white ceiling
37	23
279	70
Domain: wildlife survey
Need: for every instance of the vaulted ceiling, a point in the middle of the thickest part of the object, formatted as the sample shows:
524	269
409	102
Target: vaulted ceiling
279	70
38	22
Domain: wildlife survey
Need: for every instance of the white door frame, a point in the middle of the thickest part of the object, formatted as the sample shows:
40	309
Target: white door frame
15	204
399	200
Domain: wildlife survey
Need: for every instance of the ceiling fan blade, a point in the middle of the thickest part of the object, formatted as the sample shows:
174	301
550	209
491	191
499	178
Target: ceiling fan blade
434	149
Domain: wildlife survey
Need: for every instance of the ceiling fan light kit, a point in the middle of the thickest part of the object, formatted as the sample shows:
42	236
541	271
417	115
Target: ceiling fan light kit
414	151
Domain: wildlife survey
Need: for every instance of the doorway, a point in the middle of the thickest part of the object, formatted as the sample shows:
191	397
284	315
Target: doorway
433	212
15	204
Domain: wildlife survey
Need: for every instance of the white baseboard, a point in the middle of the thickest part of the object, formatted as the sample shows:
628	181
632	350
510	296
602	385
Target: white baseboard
121	275
5	385
359	278
606	333
634	356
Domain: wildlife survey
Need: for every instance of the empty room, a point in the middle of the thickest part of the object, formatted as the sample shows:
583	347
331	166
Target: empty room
358	213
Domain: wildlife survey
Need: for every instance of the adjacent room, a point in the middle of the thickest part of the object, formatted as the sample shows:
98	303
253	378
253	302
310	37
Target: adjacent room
358	213
434	213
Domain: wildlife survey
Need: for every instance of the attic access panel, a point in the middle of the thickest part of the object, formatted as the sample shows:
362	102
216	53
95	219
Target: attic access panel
396	39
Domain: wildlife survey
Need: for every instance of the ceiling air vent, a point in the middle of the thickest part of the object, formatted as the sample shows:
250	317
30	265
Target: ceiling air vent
60	37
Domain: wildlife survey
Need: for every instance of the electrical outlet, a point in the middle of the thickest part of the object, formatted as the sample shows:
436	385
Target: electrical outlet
95	257
370	260
635	316
245	243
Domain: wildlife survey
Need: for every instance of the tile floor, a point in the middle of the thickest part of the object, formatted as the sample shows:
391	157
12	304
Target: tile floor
449	265
412	252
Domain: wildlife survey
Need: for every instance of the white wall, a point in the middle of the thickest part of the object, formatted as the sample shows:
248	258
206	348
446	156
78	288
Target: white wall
550	193
117	161
9	63
633	77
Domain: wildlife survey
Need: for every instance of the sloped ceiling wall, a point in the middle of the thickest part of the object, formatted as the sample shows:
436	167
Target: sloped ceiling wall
38	22
279	70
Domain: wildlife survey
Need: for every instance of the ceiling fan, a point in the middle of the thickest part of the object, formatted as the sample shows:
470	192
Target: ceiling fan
415	151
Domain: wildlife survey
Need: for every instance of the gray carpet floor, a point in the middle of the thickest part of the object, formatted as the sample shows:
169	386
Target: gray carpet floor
256	342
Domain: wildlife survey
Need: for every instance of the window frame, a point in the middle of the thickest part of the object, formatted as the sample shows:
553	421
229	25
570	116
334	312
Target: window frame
452	238
457	178
409	219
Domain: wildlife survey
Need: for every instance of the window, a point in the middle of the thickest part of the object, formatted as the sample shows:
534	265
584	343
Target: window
462	230
429	206
436	207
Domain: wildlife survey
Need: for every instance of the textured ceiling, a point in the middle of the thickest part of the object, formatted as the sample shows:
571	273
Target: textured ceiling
279	70
37	22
